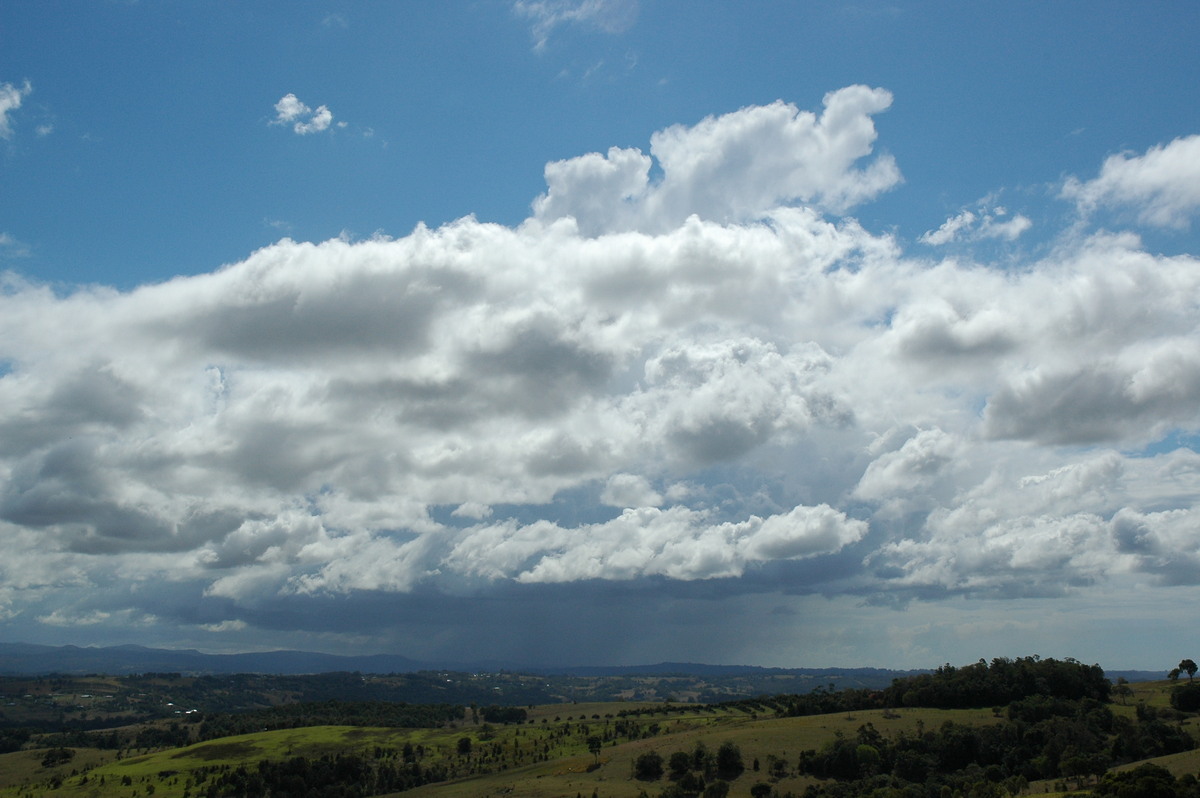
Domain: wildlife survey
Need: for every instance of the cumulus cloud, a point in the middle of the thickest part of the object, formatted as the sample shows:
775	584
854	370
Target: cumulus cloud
709	381
630	490
908	470
677	543
1148	391
1161	543
10	100
1161	186
304	120
731	168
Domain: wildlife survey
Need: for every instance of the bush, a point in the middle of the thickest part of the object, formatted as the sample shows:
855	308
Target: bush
57	756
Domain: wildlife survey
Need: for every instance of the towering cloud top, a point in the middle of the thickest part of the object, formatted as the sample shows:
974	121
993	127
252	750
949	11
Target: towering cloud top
729	169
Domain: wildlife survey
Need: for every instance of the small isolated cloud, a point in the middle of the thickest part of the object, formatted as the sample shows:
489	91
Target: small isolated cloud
608	16
1162	186
304	120
10	100
224	626
950	229
11	247
989	222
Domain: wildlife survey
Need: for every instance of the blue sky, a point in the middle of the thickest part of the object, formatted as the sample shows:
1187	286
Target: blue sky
601	331
161	161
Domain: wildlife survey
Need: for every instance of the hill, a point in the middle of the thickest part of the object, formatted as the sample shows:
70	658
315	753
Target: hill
1057	731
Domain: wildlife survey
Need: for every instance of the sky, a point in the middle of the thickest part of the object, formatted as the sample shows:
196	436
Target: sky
582	332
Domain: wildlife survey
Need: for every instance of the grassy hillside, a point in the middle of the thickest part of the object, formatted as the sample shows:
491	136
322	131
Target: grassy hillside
547	755
556	760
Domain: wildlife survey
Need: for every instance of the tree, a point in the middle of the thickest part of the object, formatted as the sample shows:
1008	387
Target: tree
1189	667
594	745
1186	697
701	758
679	763
868	759
464	746
718	789
729	760
648	766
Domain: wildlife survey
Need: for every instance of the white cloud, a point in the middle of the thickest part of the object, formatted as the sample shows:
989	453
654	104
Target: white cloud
989	222
1009	229
11	247
765	394
675	542
62	618
472	510
949	230
304	120
732	168
608	16
1161	186
10	100
909	468
630	490
224	626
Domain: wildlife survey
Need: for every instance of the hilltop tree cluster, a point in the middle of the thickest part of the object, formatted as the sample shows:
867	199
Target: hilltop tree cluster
1039	738
1053	723
981	684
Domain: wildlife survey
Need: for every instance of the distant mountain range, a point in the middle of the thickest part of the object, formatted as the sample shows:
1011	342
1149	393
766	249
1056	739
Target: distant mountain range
32	659
27	658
